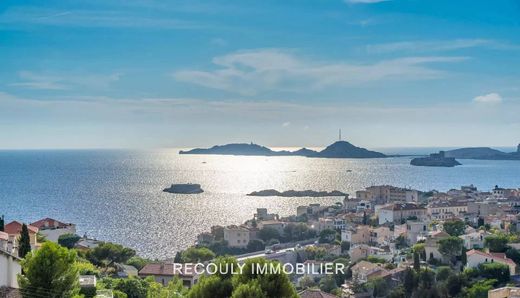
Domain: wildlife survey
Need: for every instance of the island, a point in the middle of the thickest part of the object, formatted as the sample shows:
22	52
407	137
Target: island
296	193
188	188
435	160
484	153
339	149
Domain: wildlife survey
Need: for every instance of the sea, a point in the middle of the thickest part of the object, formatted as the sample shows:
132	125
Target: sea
117	195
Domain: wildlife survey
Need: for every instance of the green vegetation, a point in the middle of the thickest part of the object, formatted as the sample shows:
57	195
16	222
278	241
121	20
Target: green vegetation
2	223
195	255
454	227
108	253
25	242
68	240
496	243
49	272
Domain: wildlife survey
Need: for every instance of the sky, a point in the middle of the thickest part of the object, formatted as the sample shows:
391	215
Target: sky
155	74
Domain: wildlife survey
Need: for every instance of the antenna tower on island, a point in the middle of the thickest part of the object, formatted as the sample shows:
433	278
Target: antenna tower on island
340	134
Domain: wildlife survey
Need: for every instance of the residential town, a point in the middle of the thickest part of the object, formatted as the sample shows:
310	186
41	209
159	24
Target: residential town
394	242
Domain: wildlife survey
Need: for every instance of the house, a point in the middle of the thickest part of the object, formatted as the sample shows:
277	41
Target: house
362	251
475	239
236	236
477	257
431	245
415	230
381	235
9	269
262	214
446	209
399	212
164	272
315	293
4	242
363	271
125	271
14	229
53	229
357	235
504	292
275	224
85	244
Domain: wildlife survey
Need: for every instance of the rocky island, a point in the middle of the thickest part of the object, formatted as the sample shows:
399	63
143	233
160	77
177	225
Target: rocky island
296	193
188	188
435	160
339	149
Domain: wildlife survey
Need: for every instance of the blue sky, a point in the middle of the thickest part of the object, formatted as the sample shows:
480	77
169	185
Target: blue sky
114	73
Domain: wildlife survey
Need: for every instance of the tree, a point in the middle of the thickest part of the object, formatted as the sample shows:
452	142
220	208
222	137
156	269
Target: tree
397	292
365	218
453	285
327	236
454	227
195	255
249	290
68	240
25	242
380	287
450	247
464	256
273	284
410	281
443	273
268	233
132	287
400	242
328	284
137	262
108	253
211	286
416	262
2	223
49	272
497	271
480	288
255	245
345	246
178	257
496	243
513	254
307	282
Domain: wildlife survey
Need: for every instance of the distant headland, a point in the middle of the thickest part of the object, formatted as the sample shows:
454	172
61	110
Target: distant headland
339	149
483	153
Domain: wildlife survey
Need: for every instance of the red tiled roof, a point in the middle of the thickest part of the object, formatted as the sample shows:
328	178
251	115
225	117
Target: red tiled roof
166	269
15	228
499	257
45	223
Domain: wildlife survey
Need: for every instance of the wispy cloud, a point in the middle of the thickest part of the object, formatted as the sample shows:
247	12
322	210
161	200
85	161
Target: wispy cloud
491	98
24	16
256	71
438	45
46	81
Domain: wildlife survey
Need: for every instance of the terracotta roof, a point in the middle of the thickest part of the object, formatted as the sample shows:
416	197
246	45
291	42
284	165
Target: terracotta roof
166	269
315	293
499	257
15	227
49	223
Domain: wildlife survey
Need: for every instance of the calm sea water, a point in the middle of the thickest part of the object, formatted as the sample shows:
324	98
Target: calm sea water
117	195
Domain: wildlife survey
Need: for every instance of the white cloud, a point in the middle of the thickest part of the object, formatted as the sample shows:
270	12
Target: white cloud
256	71
491	98
365	1
286	124
438	45
47	81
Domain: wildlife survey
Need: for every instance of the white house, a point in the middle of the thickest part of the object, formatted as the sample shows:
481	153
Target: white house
398	212
475	239
9	268
477	257
53	229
